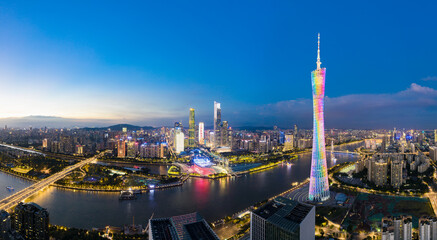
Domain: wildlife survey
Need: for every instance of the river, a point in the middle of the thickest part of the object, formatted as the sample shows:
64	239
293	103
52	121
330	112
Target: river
213	199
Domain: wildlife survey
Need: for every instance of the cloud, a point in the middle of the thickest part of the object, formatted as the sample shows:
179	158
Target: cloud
430	78
415	107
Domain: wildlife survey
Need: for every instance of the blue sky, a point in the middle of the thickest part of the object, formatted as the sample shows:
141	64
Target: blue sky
148	62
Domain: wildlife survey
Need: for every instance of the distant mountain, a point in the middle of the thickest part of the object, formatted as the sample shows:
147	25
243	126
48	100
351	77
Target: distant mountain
60	122
119	127
253	128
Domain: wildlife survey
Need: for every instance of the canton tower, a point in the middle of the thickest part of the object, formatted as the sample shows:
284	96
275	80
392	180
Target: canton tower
319	186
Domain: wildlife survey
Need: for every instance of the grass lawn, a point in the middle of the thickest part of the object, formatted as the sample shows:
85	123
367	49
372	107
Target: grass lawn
334	214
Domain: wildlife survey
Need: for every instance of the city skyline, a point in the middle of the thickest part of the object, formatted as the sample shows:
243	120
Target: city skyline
209	120
95	77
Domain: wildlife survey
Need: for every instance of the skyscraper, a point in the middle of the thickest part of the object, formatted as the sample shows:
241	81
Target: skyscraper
435	137
396	173
201	133
217	123
224	134
183	227
191	129
283	218
31	221
121	149
179	140
5	224
296	135
319	186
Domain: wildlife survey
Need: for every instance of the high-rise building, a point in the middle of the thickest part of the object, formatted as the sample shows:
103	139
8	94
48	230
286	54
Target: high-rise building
424	229
283	218
289	142
387	235
378	172
428	228
396	173
79	149
224	138
435	137
152	150
132	149
433	227
201	133
31	221
281	138
121	149
399	227
183	227
45	143
407	231
433	153
319	186
179	140
296	135
191	130
5	224
217	124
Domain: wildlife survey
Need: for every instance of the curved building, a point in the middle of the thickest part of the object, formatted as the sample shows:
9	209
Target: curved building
319	186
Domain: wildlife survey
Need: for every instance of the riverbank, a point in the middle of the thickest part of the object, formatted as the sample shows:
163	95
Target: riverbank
263	167
136	162
142	188
15	174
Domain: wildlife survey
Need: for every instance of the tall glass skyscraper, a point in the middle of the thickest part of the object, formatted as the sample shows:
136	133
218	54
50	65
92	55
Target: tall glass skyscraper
191	129
217	124
201	133
319	186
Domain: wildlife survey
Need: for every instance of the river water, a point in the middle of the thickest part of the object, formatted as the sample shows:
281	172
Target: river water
213	199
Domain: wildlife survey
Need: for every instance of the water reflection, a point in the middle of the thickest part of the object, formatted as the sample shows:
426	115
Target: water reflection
213	199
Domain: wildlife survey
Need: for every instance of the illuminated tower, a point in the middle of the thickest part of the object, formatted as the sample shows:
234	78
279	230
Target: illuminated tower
191	129
201	133
319	186
217	124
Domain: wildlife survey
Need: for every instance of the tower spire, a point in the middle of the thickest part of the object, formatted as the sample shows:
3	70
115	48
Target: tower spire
318	51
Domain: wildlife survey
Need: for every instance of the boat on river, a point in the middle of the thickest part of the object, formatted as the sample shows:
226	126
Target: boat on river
10	188
127	195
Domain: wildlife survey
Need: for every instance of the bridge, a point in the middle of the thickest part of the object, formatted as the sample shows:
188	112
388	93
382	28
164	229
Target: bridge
21	149
347	152
9	202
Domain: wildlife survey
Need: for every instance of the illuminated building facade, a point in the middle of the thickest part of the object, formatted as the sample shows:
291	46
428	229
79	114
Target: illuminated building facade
179	140
191	129
435	137
121	149
319	186
201	133
396	173
31	221
217	123
224	138
288	144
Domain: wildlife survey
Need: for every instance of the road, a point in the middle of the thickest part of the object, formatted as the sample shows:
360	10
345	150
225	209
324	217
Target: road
21	149
9	202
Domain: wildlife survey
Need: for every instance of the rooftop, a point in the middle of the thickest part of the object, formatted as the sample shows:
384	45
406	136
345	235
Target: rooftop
285	213
162	229
200	230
